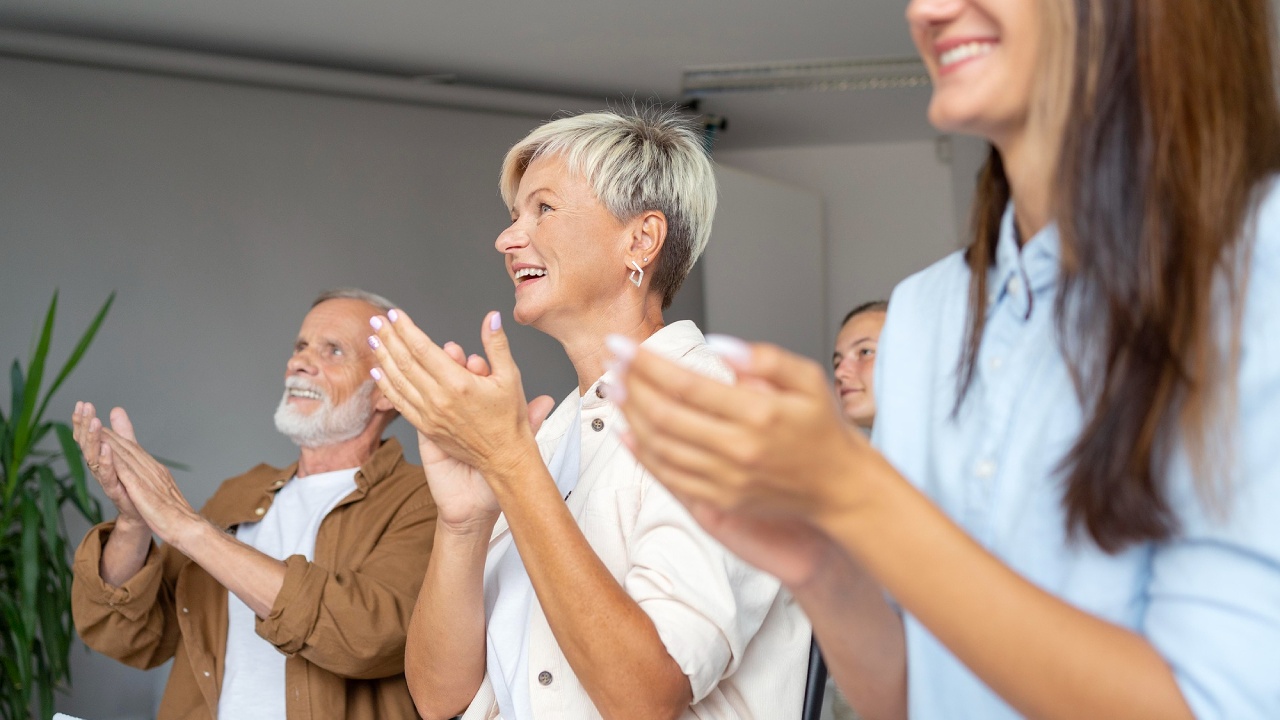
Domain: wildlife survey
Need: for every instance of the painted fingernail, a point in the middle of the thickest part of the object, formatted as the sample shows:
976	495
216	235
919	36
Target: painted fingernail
729	348
375	373
375	322
374	343
392	315
495	321
622	347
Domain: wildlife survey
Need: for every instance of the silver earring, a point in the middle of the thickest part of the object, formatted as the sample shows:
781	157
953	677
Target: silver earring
633	277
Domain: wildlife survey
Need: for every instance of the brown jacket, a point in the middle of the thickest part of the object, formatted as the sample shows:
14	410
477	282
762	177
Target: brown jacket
340	620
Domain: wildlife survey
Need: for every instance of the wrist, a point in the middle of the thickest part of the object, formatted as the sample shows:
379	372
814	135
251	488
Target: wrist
131	528
508	468
189	534
479	526
859	496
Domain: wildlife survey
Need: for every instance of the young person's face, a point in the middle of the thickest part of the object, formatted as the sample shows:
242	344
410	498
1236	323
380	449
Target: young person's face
854	363
982	56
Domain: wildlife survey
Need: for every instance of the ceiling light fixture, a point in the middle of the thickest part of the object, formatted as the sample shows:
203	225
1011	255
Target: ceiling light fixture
821	75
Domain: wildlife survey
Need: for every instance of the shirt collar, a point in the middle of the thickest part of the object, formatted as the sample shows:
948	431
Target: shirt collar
1021	272
378	466
671	341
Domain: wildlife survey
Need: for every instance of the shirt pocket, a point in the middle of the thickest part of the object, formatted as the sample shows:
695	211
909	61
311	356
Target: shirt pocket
608	521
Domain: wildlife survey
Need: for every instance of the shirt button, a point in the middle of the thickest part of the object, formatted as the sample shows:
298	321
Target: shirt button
260	511
997	363
1015	286
985	469
600	392
544	678
597	424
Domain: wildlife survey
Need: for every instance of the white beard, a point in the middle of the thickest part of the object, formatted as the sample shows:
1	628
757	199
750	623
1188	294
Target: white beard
326	425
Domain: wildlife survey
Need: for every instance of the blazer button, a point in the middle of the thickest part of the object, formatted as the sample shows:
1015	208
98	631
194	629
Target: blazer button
544	677
597	424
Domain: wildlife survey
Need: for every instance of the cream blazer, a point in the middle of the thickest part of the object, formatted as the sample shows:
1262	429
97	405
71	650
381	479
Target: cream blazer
737	635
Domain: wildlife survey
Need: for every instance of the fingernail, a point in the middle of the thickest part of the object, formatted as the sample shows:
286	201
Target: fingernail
392	315
622	347
495	321
729	348
375	322
373	342
95	425
375	373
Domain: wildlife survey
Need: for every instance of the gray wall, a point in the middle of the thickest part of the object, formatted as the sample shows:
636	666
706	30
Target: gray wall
887	212
217	212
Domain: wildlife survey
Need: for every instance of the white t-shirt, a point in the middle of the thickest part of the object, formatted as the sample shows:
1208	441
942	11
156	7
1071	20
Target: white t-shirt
253	685
508	597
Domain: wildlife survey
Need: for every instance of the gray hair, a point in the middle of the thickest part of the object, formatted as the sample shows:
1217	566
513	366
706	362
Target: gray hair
351	293
648	158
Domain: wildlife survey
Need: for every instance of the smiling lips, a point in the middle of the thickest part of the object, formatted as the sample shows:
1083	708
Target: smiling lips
953	53
527	273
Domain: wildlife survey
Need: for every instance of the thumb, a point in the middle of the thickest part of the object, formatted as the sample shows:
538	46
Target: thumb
122	425
497	347
539	408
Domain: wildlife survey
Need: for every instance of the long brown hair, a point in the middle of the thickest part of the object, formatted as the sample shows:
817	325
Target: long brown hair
1172	132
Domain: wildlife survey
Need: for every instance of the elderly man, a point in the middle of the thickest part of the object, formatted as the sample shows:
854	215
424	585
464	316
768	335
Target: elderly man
289	594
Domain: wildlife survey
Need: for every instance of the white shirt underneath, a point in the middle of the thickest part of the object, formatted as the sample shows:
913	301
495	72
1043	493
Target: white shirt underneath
253	683
508	596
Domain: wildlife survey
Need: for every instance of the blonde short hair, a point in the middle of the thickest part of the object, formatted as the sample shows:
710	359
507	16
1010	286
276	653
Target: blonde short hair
649	158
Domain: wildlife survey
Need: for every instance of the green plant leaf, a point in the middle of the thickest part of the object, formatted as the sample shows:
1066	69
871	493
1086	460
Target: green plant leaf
53	632
49	492
22	427
78	352
12	459
29	570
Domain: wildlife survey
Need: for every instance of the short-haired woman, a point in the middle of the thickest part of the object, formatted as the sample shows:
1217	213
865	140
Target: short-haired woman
1075	493
566	582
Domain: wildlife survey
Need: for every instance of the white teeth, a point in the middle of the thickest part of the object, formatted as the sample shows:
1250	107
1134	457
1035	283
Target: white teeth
309	394
964	52
529	272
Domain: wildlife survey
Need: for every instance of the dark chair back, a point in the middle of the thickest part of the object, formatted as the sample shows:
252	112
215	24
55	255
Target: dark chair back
816	684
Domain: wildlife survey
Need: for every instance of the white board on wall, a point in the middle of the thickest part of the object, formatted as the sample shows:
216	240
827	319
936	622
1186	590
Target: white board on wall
763	268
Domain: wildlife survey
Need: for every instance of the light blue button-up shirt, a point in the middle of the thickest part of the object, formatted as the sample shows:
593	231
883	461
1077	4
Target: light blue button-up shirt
1208	600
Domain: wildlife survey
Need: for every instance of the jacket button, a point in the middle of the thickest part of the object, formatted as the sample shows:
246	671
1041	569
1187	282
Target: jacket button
544	677
597	424
206	673
185	611
260	512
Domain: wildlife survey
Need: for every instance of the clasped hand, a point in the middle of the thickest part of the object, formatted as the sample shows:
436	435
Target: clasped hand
143	490
474	426
760	463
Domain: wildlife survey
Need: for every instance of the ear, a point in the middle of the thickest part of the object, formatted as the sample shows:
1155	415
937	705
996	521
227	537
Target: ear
648	234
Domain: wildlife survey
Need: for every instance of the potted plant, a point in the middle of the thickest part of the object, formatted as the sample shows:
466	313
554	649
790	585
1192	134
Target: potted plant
41	470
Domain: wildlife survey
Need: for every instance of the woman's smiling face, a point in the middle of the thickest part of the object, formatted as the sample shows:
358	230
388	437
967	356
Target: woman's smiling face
983	57
564	250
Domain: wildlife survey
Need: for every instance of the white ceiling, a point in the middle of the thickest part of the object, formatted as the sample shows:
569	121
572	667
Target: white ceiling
565	46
